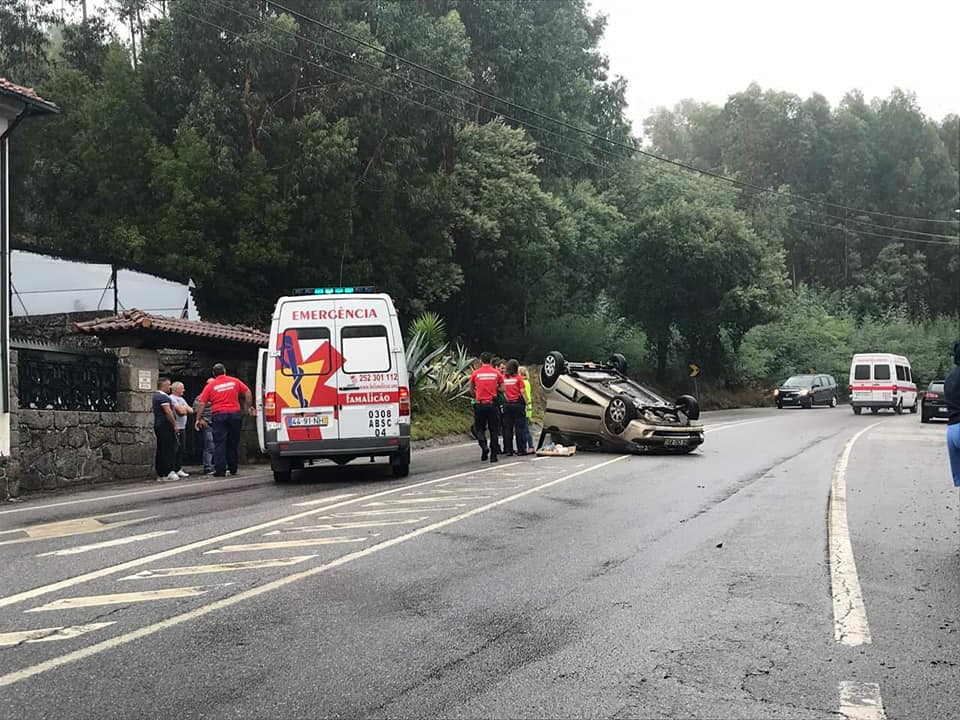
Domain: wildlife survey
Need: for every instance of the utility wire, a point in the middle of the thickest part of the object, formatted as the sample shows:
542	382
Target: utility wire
457	118
352	58
894	238
597	136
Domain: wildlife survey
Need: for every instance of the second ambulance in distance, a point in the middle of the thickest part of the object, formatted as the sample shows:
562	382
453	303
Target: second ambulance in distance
333	383
882	380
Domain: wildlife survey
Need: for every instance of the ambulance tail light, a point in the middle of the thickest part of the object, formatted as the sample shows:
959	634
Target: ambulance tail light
404	402
895	390
270	407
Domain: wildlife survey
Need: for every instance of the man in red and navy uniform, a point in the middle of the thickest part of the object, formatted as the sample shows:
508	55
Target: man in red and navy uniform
486	382
514	409
223	395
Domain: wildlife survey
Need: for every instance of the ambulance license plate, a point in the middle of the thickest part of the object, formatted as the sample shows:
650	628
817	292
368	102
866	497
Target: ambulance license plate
309	421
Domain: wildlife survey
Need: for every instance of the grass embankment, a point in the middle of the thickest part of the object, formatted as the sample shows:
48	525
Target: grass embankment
435	417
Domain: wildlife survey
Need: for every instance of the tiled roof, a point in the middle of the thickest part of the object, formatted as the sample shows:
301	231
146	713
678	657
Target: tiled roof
137	320
27	94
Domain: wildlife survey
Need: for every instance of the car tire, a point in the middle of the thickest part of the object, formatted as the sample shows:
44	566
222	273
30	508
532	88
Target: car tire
282	477
924	418
618	362
553	367
875	411
914	408
857	410
807	404
619	413
779	406
898	409
833	401
689	405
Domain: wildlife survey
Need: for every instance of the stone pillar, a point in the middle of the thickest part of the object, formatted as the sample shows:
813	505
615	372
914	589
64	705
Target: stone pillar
137	373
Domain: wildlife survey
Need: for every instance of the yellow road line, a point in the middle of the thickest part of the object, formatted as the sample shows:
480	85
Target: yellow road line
68	528
282	544
49	634
218	568
108	543
84	601
346	526
148	630
146	559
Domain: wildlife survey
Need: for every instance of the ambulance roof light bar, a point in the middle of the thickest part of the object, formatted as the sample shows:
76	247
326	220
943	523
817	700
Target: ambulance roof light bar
335	290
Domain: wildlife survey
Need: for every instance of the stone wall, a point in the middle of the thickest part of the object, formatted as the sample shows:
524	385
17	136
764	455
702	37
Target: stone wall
62	448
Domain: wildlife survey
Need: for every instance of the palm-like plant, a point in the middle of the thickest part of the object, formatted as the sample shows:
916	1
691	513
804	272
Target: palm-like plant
430	362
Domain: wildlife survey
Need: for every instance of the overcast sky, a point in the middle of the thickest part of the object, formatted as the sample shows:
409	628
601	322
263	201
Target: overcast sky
669	50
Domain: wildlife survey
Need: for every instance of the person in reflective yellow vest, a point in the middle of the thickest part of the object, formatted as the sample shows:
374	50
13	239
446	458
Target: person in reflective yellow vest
527	437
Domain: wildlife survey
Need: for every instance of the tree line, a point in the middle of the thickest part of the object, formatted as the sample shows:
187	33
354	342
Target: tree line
472	158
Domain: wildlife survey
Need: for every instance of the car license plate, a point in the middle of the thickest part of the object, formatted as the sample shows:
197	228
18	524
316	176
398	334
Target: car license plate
862	394
676	442
309	421
943	410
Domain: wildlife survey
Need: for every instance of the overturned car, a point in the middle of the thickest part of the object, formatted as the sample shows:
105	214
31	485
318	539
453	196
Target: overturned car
596	406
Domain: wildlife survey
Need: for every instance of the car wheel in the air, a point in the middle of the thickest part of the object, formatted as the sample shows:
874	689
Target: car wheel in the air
619	413
618	362
689	405
553	367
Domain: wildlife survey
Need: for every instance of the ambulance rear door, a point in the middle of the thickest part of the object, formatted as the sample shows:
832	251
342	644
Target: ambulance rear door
305	371
262	357
369	381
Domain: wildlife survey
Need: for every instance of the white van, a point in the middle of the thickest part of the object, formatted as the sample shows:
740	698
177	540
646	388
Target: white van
882	380
333	384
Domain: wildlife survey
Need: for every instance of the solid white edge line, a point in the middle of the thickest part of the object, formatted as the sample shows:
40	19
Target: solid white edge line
137	562
146	631
850	625
311	503
861	701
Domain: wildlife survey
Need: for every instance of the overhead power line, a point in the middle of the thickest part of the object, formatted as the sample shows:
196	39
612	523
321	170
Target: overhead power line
458	118
444	93
590	133
893	238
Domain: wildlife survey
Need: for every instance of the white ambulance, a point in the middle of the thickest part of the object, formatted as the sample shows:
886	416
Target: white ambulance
333	383
882	380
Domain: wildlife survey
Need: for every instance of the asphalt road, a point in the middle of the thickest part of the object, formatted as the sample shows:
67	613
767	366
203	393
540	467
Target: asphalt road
802	564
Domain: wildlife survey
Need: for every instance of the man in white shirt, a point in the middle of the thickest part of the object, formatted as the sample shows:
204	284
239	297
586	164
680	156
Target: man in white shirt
181	409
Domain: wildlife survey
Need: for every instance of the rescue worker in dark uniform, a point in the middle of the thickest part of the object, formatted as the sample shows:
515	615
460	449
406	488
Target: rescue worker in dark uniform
514	410
486	382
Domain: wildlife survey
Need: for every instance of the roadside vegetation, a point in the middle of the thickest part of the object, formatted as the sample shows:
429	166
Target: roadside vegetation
253	150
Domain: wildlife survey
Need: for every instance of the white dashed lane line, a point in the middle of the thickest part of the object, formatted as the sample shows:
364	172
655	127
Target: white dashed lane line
149	630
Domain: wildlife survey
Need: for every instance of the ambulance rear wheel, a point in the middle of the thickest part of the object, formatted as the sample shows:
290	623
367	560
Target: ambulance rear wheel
400	463
282	476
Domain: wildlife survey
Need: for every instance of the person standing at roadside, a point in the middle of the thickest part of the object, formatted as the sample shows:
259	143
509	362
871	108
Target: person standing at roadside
951	393
181	409
486	381
223	395
514	409
528	414
165	428
205	421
